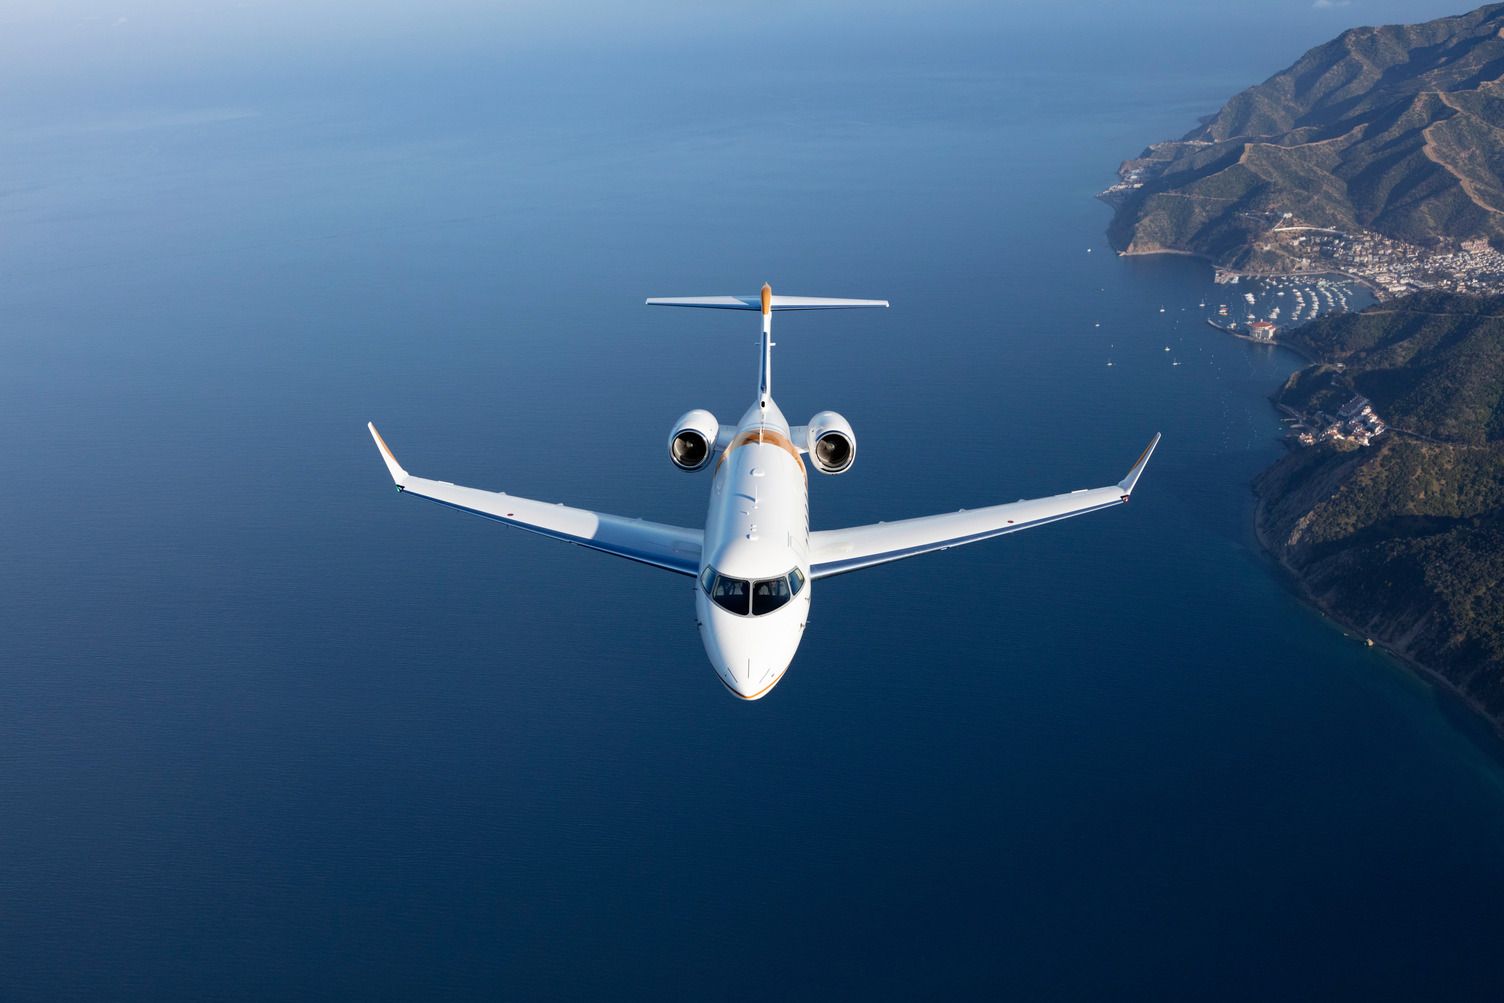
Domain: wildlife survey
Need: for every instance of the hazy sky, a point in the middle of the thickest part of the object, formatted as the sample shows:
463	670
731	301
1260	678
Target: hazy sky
127	64
45	42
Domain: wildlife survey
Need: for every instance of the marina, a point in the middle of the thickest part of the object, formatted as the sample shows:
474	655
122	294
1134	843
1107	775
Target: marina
1276	302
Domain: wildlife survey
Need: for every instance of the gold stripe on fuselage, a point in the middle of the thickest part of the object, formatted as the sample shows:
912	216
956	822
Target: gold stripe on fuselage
765	436
749	696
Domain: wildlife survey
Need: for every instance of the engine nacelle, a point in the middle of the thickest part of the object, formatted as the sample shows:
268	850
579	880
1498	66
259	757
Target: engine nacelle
831	443
692	442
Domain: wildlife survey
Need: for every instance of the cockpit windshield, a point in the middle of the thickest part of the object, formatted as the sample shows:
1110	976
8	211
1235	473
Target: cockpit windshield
769	595
750	598
731	594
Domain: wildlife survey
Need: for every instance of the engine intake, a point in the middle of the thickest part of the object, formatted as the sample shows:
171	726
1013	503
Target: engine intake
832	443
692	442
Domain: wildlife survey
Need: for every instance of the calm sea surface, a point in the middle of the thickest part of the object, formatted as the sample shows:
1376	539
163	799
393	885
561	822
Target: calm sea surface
270	730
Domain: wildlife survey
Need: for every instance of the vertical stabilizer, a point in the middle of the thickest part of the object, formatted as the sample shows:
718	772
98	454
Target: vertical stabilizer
765	371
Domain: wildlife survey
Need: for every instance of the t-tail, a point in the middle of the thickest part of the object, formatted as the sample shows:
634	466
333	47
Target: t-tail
767	303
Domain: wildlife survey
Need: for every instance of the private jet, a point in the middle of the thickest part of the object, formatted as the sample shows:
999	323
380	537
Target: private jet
756	561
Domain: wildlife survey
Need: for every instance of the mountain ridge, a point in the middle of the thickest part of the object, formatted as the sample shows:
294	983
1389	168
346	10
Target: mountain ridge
1395	131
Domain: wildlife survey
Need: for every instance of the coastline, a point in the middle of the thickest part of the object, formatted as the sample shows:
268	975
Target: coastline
1380	294
1273	342
1405	658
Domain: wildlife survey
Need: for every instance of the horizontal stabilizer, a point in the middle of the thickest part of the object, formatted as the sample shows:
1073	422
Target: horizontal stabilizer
754	302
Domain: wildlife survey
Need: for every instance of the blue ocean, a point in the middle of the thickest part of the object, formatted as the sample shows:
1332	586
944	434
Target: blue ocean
271	730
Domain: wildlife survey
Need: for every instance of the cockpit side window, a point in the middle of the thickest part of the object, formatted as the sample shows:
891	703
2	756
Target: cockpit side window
796	581
731	594
769	594
707	578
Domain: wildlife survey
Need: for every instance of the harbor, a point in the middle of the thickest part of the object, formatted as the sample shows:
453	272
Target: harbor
1272	303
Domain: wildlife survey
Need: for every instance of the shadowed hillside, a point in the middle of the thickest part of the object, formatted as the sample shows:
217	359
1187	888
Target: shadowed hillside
1405	540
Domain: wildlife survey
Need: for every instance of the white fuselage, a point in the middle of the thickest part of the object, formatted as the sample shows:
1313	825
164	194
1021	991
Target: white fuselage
753	594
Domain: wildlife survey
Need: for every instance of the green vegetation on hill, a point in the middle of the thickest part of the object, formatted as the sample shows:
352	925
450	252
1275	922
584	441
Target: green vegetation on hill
1433	364
1396	129
1405	540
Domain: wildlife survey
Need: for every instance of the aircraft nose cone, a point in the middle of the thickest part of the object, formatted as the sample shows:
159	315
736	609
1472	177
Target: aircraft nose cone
749	659
750	680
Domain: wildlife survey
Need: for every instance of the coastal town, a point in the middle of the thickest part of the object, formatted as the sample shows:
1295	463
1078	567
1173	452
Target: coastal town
1389	267
1287	245
1354	425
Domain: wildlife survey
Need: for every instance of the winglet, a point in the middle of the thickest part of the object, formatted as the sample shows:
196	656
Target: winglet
399	476
1127	483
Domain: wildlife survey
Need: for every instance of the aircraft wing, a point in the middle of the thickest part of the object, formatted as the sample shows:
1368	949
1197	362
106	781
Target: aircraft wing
835	552
667	547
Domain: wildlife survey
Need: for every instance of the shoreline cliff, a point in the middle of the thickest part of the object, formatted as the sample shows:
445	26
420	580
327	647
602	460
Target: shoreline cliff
1402	542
